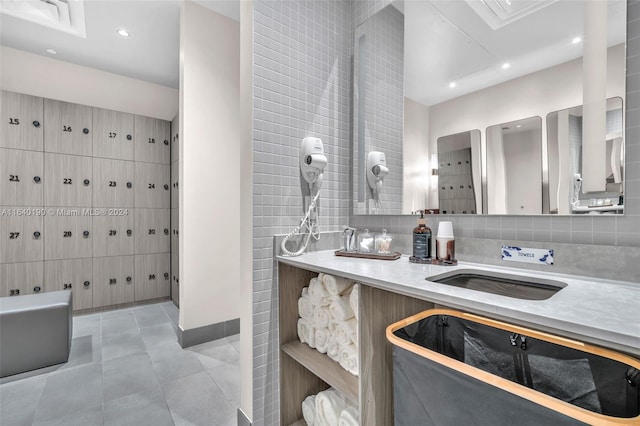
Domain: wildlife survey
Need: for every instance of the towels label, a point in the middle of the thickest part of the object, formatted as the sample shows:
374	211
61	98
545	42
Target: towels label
527	255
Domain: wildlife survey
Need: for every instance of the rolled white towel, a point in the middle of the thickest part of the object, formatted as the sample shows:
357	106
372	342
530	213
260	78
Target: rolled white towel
329	406
305	305
336	285
349	358
347	332
340	308
333	349
323	335
307	332
353	299
317	292
349	416
321	317
309	410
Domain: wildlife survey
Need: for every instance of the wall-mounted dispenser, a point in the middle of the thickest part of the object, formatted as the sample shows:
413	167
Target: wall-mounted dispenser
312	165
376	171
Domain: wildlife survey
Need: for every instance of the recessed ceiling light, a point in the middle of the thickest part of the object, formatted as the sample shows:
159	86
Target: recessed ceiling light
123	33
506	65
576	40
452	84
51	51
519	125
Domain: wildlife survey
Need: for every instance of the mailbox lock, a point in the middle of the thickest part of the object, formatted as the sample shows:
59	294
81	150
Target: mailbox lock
129	137
36	179
129	185
85	233
166	231
166	187
87	283
85	131
166	275
37	289
86	182
129	232
128	279
36	123
36	234
166	142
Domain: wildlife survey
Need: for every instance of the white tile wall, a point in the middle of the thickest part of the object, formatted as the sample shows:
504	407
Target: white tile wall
302	87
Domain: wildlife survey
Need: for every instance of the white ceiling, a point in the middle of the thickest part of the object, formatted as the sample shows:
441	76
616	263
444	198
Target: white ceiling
467	49
448	41
150	54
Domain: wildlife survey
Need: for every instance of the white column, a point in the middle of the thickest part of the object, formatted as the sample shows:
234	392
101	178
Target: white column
496	172
210	164
246	208
565	180
594	69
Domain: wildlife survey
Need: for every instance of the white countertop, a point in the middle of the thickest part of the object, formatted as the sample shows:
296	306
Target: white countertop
602	312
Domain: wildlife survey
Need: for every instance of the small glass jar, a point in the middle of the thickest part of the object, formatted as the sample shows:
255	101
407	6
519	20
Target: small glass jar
366	242
383	243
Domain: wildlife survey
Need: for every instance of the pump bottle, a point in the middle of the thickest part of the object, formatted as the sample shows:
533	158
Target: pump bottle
422	239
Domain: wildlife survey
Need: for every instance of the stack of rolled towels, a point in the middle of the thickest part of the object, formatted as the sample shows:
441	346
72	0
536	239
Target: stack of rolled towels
328	310
329	408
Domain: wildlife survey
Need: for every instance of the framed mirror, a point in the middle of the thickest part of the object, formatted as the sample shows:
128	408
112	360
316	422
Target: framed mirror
461	69
564	150
459	174
514	168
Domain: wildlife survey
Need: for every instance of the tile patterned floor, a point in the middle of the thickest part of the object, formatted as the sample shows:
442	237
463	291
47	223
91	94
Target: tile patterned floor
126	368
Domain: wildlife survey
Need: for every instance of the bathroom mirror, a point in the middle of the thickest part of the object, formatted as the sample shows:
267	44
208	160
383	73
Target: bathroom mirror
514	168
458	175
564	150
424	70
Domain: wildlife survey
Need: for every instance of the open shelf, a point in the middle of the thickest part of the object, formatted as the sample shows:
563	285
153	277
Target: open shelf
324	368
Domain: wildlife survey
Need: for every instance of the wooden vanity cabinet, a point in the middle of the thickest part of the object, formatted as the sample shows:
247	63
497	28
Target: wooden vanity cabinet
305	371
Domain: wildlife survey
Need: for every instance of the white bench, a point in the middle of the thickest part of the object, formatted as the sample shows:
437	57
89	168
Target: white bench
35	331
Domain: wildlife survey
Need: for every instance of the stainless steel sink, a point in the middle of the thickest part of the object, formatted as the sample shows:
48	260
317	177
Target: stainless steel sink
516	286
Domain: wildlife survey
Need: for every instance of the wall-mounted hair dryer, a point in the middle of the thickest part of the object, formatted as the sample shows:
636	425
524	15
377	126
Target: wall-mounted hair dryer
312	165
312	161
376	172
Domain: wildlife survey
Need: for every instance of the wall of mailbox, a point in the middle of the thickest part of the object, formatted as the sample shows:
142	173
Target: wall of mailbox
85	202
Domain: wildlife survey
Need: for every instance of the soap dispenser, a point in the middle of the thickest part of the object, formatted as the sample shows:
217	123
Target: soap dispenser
422	239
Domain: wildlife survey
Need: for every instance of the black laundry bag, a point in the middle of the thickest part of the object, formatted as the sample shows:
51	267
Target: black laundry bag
452	368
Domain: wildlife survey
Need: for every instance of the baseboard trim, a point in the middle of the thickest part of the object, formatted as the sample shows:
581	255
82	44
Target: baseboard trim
208	333
120	306
243	420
